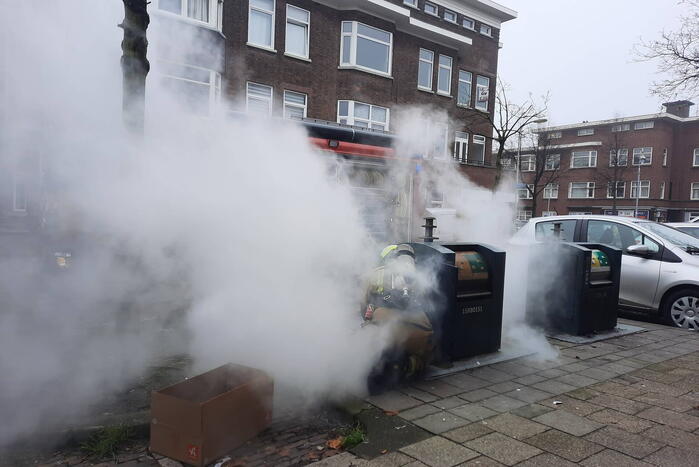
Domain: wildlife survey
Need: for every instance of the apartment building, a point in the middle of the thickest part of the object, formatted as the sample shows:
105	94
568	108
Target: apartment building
361	62
606	166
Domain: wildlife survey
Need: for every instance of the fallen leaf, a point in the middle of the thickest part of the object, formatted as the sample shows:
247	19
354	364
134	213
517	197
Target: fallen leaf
390	413
335	443
384	451
284	452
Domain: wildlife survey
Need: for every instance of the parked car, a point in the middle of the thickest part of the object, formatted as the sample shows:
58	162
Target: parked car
660	264
691	228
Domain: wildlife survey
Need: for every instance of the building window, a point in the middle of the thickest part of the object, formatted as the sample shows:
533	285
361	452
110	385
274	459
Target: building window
642	156
553	162
479	148
643	125
449	16
412	3
202	11
298	23
468	23
581	159
551	191
525	192
620	189
19	195
665	157
431	9
197	89
579	190
527	163
444	75
662	190
618	158
694	195
586	131
440	133
366	47
645	189
425	69
261	23
464	93
295	104
259	99
555	135
548	213
524	215
482	92
696	157
621	127
362	115
461	147
486	30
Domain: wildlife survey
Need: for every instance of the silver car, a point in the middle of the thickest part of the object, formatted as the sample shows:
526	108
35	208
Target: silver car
660	265
691	228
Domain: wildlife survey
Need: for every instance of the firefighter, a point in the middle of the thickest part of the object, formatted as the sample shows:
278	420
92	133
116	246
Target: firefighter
393	298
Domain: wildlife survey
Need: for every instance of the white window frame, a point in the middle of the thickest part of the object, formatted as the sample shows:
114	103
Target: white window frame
610	193
288	104
470	89
643	125
259	98
449	12
640	152
461	147
555	135
431	64
551	191
436	9
479	140
215	20
353	35
440	131
645	186
214	83
551	162
548	213
591	159
665	157
486	30
617	153
526	192
410	3
589	187
16	184
478	105
524	215
695	162
662	190
298	22
469	20
621	127
694	187
527	163
439	74
586	131
351	118
273	15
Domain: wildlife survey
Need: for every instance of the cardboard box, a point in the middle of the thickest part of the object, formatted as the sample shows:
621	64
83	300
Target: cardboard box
201	419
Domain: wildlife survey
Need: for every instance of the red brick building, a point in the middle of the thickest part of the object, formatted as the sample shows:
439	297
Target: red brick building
661	150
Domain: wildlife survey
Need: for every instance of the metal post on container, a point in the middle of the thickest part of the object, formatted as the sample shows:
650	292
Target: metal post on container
557	230
429	230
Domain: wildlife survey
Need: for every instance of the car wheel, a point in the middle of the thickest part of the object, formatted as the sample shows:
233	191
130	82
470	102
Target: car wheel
681	309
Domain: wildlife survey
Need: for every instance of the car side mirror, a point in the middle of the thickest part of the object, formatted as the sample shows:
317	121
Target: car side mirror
639	250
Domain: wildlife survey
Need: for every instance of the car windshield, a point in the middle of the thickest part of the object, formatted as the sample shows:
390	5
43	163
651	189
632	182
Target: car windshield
671	235
693	231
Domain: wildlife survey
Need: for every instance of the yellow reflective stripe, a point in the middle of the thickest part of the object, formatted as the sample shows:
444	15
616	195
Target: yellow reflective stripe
388	249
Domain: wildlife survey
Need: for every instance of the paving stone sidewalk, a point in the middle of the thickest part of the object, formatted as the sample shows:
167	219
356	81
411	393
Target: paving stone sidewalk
628	401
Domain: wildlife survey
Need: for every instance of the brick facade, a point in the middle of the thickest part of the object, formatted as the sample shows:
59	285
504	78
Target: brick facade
672	138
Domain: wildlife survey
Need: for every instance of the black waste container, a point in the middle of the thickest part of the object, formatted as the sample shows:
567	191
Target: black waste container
573	288
466	301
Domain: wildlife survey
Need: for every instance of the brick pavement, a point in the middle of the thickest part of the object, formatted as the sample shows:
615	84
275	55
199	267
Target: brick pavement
629	401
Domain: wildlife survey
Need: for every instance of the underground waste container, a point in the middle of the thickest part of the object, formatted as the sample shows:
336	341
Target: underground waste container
465	305
574	287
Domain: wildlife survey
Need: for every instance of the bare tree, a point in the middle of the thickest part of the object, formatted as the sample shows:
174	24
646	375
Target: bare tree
134	64
678	55
544	167
614	173
507	121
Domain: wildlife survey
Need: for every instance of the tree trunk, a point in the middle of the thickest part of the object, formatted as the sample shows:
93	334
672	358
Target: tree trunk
534	204
134	64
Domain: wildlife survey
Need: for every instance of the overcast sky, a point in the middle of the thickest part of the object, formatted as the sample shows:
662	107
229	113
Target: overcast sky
581	52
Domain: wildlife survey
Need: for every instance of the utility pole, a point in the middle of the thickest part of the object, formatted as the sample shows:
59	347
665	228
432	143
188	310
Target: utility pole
134	64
